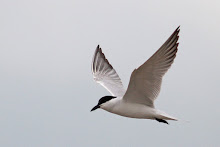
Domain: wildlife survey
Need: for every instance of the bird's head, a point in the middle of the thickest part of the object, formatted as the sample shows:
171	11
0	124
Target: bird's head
102	101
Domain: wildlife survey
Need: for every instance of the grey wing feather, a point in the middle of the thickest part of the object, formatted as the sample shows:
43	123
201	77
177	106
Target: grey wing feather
105	74
145	82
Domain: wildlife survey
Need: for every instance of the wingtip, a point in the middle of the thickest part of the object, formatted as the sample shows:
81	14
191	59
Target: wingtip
176	32
178	28
98	48
94	56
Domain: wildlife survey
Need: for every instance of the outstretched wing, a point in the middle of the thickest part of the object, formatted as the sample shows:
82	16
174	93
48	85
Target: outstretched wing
145	82
105	74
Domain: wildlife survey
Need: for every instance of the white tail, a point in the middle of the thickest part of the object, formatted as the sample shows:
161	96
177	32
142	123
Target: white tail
163	115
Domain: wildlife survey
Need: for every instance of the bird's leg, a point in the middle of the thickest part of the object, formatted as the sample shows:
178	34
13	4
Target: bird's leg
161	120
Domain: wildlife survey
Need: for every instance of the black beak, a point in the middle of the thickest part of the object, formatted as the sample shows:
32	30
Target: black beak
96	107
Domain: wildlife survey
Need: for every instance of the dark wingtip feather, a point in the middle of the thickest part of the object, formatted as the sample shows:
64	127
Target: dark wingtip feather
94	56
178	27
99	50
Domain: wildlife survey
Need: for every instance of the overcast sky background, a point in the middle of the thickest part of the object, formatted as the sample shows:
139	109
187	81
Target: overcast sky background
46	85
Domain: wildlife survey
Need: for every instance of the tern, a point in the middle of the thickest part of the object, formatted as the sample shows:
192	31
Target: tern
144	85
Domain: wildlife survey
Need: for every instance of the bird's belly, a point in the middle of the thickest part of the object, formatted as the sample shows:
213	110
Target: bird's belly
134	111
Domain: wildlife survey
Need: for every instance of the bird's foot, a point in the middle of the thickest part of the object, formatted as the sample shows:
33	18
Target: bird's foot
161	120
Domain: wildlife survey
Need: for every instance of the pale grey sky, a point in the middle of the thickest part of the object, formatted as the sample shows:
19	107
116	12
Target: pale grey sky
46	85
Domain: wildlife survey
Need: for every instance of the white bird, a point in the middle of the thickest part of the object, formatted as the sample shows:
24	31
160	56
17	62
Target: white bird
144	86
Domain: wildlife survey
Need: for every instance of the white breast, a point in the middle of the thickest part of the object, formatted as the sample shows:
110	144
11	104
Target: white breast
133	110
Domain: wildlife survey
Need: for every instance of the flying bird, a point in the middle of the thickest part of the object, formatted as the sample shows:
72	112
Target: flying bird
144	86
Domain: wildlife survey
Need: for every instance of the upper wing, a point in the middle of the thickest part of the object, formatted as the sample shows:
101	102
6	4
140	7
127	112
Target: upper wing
105	74
145	82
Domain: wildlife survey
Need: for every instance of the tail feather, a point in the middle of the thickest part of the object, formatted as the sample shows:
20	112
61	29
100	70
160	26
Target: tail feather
163	115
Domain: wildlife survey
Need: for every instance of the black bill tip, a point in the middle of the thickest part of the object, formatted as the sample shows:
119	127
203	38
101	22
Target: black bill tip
94	108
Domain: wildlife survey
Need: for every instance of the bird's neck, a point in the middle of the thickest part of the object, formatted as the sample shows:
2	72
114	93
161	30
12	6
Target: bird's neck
111	104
